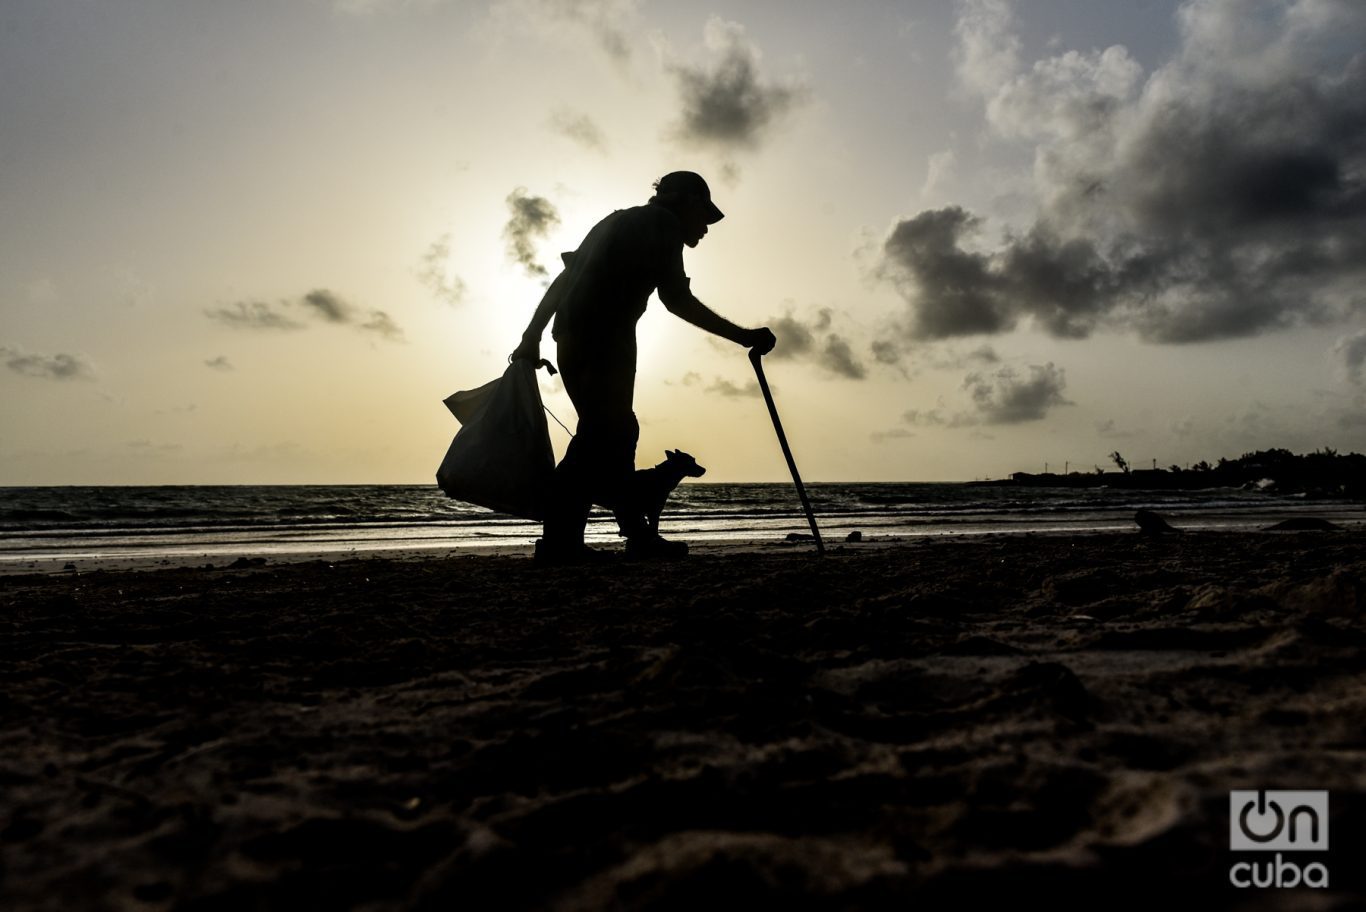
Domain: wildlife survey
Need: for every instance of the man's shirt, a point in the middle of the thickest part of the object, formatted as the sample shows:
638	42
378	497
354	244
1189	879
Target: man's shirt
607	282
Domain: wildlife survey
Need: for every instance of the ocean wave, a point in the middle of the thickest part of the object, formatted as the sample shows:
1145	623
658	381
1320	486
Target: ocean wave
299	517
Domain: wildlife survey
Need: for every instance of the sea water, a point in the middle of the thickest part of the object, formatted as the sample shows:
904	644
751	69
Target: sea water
43	525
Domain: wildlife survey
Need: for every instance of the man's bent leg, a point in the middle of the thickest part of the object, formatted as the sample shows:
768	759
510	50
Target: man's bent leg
600	459
613	466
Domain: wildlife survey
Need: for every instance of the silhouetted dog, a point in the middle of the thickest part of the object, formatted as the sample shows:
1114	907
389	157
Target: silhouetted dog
650	488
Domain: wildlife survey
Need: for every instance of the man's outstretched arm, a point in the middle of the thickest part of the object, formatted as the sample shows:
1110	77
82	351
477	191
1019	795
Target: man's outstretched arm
688	308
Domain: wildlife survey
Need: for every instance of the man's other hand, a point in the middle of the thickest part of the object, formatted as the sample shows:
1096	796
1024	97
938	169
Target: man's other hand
760	340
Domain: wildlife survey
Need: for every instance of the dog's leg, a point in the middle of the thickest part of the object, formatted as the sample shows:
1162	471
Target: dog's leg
667	483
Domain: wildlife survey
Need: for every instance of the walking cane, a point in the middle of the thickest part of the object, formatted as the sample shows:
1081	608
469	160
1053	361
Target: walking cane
757	360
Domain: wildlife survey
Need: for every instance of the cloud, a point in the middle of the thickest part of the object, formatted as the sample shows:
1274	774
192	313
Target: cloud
987	51
953	291
252	315
1350	352
221	363
60	366
936	418
1002	397
939	169
982	354
532	218
949	359
812	340
887	351
838	358
893	349
1007	398
797	338
728	102
382	324
957	291
580	128
723	387
321	303
893	434
432	273
1223	195
605	21
328	306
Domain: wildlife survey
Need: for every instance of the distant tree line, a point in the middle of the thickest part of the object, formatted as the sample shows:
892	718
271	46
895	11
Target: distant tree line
1324	472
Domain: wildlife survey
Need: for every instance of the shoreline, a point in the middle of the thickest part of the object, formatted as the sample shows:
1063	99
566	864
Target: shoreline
834	530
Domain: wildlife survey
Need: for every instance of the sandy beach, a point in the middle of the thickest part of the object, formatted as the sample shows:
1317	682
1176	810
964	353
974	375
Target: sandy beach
945	723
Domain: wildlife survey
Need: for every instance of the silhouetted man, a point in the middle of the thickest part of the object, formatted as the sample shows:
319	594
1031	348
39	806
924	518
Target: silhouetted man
596	302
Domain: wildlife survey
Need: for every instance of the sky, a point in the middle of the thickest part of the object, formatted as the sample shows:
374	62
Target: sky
260	242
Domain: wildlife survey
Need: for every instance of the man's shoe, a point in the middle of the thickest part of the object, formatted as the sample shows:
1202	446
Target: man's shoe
653	547
558	554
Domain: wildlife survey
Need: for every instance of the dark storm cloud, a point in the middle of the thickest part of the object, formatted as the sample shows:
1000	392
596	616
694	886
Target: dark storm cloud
60	366
580	128
953	291
958	291
1222	196
252	315
432	273
728	102
532	218
812	340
